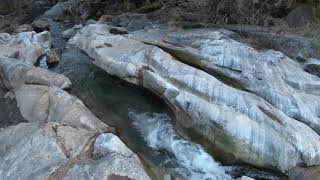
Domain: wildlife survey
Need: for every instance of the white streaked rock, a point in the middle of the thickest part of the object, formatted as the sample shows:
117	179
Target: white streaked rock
248	126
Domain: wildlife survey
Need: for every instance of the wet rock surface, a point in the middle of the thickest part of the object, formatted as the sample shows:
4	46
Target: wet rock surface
243	109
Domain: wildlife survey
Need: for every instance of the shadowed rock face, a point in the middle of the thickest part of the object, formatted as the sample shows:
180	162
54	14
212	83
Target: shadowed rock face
63	139
263	119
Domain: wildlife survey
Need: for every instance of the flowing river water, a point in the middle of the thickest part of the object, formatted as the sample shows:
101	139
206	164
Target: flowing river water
143	120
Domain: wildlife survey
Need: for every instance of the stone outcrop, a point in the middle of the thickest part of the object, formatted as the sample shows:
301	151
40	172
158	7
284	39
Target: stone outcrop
25	46
41	24
268	74
67	34
62	139
255	107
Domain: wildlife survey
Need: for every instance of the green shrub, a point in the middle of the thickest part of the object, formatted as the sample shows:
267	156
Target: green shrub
5	9
317	11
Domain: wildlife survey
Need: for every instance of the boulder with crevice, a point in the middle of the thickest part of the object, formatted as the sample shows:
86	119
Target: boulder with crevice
239	122
55	151
269	74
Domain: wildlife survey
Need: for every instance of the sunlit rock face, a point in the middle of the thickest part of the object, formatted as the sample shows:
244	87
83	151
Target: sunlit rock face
63	139
256	107
25	46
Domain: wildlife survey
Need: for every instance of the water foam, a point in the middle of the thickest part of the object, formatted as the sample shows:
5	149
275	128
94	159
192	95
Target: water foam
159	134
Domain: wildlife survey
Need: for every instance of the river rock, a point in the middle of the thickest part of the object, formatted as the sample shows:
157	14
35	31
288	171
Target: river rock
56	11
240	100
67	34
23	28
301	16
63	139
55	151
312	66
29	152
116	162
300	173
53	56
15	74
41	24
269	74
25	46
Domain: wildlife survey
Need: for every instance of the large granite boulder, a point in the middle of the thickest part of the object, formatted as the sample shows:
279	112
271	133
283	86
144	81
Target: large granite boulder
25	46
56	151
255	107
15	74
63	139
269	74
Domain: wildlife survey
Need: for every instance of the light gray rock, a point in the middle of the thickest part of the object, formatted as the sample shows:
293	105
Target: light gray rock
62	134
246	178
67	34
51	151
56	11
116	161
25	46
29	152
23	28
269	74
16	73
91	21
235	122
39	103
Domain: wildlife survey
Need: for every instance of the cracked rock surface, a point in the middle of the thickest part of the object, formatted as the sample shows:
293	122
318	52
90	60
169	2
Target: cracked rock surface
62	139
25	46
256	107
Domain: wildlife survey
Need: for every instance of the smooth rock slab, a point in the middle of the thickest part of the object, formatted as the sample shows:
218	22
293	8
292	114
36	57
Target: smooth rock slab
15	73
269	74
29	152
236	123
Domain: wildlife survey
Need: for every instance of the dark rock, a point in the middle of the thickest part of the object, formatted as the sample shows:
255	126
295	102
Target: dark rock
313	67
105	18
54	56
24	28
301	16
41	24
299	173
